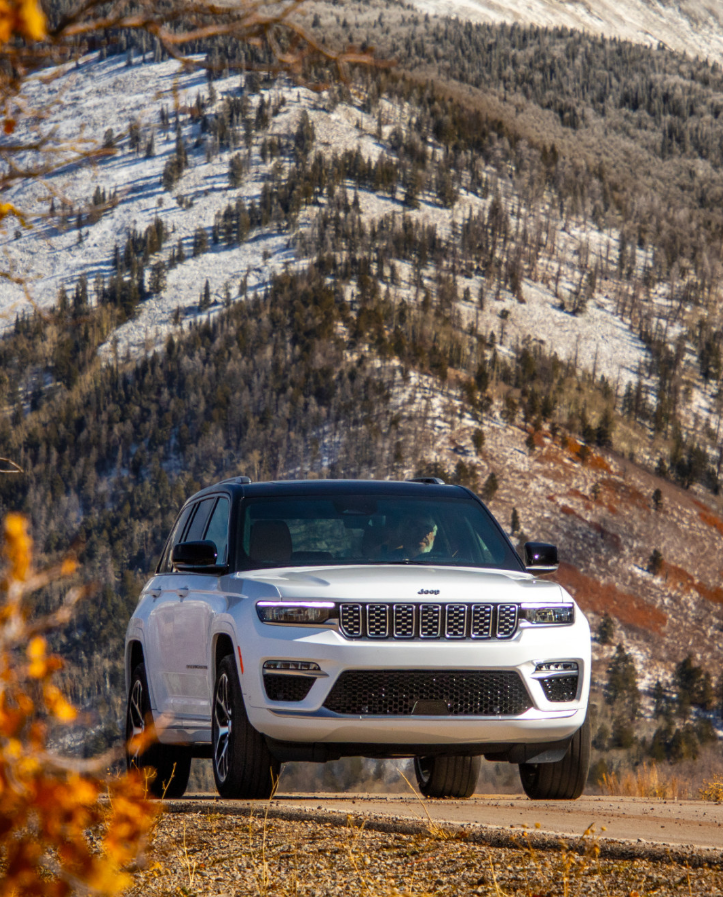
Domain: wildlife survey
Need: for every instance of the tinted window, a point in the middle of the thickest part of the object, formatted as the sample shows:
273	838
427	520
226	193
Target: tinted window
369	529
176	533
200	518
217	530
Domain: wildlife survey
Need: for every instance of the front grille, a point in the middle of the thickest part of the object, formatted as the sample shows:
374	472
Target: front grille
287	688
560	688
407	692
428	621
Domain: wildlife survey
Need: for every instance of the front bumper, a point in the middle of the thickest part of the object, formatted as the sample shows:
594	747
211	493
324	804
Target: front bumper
308	721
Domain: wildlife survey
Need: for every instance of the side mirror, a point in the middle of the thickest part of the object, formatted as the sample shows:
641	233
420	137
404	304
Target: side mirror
195	554
541	557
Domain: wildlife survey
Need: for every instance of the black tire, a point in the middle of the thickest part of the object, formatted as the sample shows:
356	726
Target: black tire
243	766
169	765
447	776
564	780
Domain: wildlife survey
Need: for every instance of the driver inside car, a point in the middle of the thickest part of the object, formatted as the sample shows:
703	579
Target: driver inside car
417	537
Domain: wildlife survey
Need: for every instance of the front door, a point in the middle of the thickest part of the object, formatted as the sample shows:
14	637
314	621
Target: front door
194	617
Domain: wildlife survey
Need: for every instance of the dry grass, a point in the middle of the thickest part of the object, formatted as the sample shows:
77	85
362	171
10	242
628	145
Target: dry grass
268	857
646	781
712	790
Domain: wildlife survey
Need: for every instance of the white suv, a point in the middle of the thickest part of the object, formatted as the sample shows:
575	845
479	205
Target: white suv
322	619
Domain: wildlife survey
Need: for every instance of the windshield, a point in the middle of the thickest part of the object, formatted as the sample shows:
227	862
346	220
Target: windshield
369	529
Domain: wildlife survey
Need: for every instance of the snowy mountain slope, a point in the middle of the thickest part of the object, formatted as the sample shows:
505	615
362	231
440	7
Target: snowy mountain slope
110	94
107	94
694	27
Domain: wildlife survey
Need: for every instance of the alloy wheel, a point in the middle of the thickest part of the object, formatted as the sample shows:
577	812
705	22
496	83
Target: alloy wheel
222	717
136	723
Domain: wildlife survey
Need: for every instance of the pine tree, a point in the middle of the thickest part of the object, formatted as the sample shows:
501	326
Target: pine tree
490	487
622	685
200	241
205	301
606	630
236	170
157	280
655	562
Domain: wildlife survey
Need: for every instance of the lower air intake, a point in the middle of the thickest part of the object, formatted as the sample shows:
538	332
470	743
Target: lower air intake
560	688
407	692
287	688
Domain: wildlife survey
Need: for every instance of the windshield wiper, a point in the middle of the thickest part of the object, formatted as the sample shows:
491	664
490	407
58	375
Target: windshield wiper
408	561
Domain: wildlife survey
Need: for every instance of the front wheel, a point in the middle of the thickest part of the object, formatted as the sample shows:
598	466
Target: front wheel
447	776
564	780
167	767
243	766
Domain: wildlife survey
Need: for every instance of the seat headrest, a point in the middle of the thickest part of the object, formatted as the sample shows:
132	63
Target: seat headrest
374	543
270	542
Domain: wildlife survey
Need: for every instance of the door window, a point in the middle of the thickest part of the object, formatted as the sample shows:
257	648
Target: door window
217	530
200	518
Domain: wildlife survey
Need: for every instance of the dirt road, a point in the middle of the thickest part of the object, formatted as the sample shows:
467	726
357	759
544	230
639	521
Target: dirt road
678	824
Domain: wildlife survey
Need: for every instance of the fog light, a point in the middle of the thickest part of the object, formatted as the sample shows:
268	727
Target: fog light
297	665
557	666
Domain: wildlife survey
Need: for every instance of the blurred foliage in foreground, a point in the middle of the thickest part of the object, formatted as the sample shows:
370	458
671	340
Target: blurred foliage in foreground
48	802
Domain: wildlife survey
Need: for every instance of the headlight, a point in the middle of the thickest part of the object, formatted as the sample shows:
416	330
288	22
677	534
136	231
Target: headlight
296	613
548	614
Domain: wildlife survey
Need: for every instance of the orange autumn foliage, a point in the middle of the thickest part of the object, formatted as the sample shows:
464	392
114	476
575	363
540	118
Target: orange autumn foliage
48	801
21	18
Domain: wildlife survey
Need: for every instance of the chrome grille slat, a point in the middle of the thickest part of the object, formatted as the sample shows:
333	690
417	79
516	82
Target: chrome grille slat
481	621
404	621
350	618
420	620
430	621
506	620
456	621
377	620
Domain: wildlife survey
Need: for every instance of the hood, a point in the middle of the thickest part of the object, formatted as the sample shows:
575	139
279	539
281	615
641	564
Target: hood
403	584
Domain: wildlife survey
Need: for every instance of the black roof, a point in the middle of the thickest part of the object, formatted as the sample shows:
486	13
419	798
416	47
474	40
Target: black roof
333	487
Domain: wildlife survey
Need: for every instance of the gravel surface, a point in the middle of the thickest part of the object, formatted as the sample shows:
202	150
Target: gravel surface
258	853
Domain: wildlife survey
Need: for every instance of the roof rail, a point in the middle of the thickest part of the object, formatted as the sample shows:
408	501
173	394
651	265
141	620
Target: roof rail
430	481
241	481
